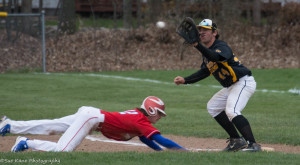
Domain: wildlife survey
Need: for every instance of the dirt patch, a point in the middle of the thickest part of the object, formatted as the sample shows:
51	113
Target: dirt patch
106	145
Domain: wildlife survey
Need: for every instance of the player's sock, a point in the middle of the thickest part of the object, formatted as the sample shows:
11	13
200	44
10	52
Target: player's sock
244	128
223	120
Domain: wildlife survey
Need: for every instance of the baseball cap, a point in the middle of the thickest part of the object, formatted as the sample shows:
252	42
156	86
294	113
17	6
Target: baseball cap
207	24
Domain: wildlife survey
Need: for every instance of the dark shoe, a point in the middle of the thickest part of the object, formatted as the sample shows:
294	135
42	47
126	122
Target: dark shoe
236	144
252	147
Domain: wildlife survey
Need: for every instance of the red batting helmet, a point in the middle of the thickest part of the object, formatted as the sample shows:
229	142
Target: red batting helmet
152	104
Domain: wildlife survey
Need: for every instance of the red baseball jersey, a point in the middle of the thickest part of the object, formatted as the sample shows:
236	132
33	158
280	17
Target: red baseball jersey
123	126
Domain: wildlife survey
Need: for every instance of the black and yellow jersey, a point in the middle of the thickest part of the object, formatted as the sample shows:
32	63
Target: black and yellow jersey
219	61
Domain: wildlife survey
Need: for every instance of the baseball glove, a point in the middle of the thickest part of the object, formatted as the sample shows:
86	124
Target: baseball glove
188	30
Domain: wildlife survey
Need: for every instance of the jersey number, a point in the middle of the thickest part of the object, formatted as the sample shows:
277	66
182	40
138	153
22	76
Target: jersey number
130	112
223	74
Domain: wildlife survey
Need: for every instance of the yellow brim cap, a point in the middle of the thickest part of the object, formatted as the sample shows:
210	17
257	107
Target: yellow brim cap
206	27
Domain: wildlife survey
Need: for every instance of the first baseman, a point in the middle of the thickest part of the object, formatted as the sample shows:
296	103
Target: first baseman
239	85
121	126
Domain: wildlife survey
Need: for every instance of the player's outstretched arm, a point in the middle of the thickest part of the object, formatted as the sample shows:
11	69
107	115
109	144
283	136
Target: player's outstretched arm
150	143
167	142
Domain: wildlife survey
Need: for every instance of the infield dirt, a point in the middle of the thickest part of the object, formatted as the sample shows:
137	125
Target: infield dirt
106	145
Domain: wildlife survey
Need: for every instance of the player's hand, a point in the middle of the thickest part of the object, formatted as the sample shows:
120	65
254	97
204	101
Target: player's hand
179	80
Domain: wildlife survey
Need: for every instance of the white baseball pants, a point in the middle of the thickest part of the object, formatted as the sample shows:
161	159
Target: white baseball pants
232	99
75	128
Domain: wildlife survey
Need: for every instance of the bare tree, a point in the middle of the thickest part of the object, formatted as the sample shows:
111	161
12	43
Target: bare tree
248	6
40	5
210	12
155	9
127	14
229	15
178	7
139	13
27	8
256	12
230	10
115	6
67	17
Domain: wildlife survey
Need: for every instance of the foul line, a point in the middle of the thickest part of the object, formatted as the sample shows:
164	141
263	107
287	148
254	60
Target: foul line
91	138
293	91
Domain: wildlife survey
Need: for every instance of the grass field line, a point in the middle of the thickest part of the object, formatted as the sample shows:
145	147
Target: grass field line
293	90
113	141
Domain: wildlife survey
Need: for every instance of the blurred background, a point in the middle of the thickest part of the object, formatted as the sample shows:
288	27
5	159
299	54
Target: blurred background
119	35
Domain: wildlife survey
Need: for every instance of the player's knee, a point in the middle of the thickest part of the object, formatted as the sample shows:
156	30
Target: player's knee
209	106
63	149
231	115
212	110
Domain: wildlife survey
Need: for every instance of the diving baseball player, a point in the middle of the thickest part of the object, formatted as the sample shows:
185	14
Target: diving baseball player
239	85
121	126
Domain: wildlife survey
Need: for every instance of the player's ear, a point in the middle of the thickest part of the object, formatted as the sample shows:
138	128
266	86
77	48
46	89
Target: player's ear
214	32
143	111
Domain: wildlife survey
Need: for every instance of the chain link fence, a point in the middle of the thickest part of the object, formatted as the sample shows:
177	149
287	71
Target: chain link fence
29	29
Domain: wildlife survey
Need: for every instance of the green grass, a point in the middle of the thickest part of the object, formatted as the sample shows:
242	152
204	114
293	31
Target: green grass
153	158
51	22
274	117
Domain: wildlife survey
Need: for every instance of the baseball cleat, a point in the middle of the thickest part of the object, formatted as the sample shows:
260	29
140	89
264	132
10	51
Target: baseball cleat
4	126
236	144
20	144
252	147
